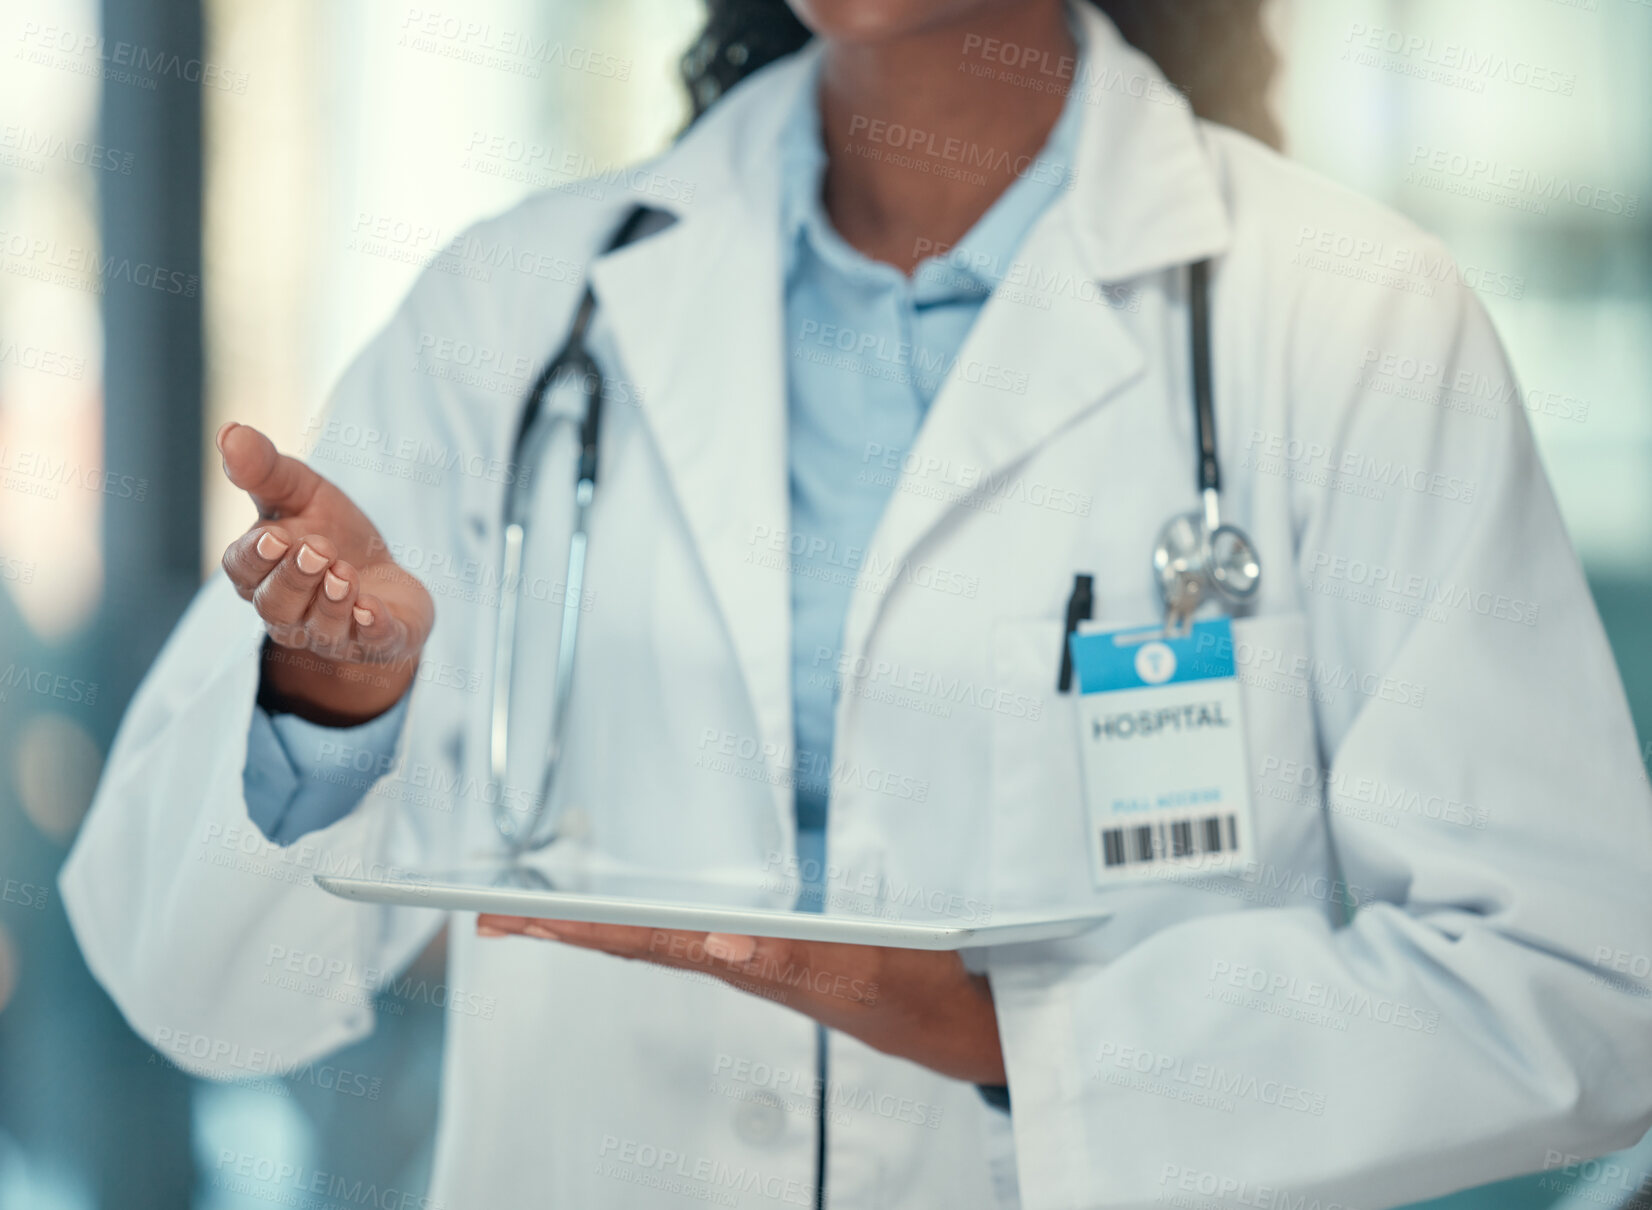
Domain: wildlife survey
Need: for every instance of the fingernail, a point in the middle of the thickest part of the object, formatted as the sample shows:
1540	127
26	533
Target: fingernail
271	547
364	617
538	928
314	563
487	930
223	431
335	588
731	949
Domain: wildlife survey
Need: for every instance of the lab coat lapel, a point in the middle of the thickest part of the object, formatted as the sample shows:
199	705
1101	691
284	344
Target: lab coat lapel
1144	198
1022	376
696	314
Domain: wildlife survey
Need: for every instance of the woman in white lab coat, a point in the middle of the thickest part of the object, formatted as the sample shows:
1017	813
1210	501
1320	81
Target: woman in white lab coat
1423	978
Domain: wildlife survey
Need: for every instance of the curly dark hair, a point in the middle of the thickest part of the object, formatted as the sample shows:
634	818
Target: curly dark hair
1216	51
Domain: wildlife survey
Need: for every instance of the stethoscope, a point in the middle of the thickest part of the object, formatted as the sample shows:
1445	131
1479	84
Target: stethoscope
1196	558
572	362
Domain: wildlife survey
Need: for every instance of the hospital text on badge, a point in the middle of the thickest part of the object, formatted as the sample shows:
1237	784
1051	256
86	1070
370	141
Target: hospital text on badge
1162	740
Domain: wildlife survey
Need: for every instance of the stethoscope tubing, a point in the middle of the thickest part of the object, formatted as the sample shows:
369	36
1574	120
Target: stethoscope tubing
1208	471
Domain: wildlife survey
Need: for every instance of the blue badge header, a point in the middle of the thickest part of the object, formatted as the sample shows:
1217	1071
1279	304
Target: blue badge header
1145	657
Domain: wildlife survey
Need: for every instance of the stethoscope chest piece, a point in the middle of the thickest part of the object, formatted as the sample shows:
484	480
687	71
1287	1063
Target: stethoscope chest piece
1194	562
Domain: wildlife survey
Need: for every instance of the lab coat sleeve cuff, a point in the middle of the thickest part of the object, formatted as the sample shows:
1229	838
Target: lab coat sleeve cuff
301	776
268	780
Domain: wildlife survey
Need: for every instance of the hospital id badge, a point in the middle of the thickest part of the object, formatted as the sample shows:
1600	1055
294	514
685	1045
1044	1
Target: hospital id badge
1166	784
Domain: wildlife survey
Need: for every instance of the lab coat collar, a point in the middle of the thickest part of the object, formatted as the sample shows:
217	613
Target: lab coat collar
697	313
1144	194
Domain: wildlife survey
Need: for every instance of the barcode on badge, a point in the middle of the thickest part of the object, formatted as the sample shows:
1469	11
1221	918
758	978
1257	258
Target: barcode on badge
1169	840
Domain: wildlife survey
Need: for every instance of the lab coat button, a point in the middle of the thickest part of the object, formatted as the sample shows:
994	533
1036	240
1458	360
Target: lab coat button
760	1118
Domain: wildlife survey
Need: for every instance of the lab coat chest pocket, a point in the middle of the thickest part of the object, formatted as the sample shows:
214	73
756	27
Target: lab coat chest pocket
1038	828
1041	837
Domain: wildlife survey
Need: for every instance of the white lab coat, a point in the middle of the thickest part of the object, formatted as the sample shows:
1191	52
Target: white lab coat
1469	775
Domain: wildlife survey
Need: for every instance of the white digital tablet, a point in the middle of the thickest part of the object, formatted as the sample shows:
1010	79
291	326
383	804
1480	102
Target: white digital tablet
613	897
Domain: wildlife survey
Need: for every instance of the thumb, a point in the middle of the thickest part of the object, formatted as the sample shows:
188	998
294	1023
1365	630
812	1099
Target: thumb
279	485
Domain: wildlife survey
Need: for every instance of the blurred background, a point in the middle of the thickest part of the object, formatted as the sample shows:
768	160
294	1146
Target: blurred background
206	207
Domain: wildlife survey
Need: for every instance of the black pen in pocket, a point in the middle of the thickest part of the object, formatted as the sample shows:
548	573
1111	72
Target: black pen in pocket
1080	607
